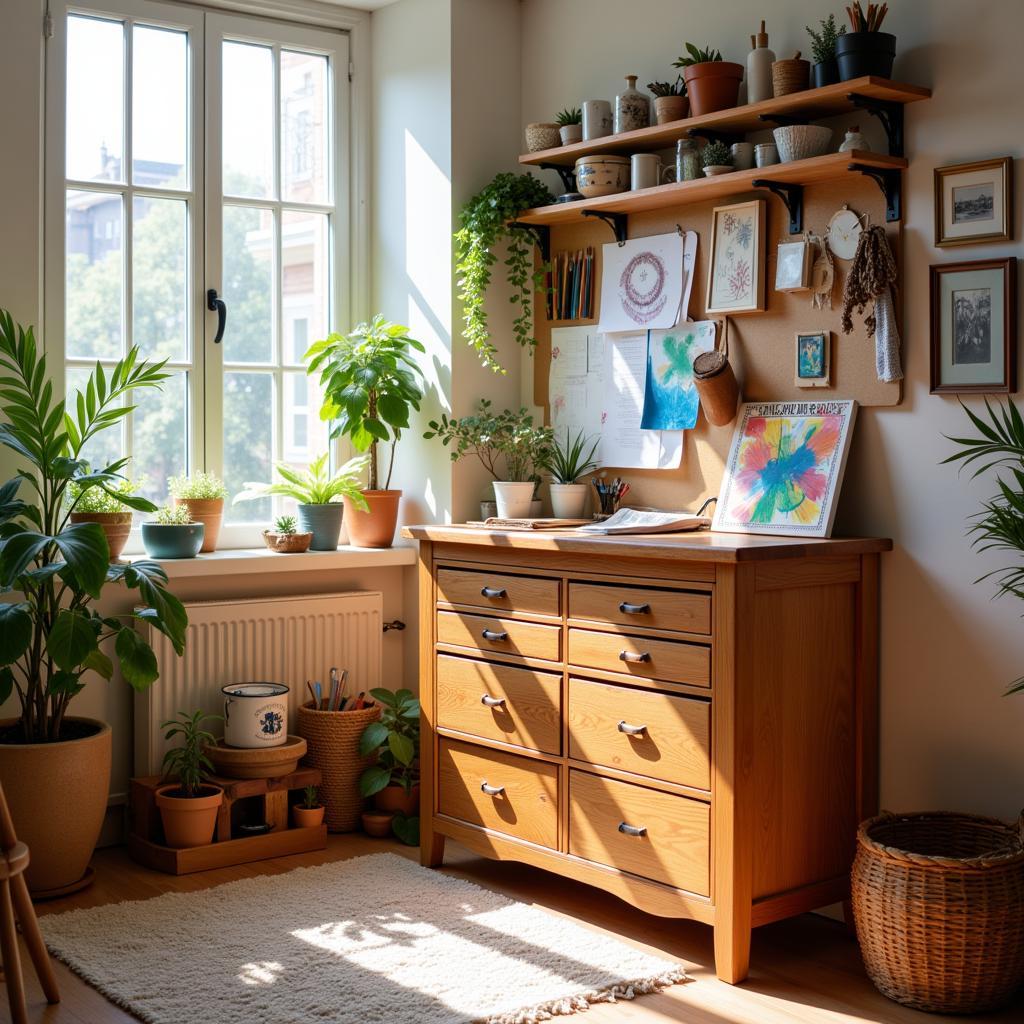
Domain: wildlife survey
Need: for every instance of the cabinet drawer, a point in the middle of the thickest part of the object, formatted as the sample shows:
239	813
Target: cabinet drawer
521	795
680	610
656	835
502	636
672	660
639	731
531	595
522	706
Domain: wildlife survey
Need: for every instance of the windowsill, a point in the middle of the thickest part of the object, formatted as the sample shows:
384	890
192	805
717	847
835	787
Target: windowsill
247	561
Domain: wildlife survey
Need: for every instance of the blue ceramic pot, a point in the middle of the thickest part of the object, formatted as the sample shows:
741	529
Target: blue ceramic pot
324	522
172	541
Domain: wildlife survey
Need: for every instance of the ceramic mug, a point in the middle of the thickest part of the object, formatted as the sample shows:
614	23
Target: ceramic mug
645	171
255	714
742	155
766	153
597	119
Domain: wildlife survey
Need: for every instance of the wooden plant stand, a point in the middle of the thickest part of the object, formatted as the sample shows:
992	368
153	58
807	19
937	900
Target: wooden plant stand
266	800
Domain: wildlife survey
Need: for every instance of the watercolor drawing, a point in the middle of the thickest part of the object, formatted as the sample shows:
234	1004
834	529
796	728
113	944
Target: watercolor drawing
736	276
813	369
785	468
671	401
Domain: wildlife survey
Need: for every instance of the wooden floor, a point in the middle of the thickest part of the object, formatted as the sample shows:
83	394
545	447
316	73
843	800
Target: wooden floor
804	970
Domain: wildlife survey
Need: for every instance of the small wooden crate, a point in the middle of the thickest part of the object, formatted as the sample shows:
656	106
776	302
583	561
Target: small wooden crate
266	800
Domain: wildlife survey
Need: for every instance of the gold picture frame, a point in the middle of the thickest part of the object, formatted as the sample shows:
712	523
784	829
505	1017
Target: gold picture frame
736	268
974	202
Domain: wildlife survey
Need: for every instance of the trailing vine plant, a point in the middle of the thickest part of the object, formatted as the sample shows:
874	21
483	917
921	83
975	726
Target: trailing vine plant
485	221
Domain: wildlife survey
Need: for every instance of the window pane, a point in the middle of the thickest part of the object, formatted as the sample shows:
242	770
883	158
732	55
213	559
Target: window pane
94	275
159	278
159	107
248	440
108	445
305	434
160	437
249	284
304	296
305	164
248	111
94	135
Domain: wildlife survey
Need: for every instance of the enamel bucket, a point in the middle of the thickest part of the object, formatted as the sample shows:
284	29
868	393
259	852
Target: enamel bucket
255	714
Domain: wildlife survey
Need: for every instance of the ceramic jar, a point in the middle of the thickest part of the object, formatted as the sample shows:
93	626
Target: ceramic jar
602	175
645	171
632	108
597	119
854	140
766	154
541	135
255	714
742	155
687	160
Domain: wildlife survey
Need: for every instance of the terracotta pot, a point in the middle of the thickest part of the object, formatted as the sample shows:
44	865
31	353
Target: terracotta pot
189	820
377	824
209	512
307	817
57	794
670	108
287	543
393	799
713	85
375	528
116	527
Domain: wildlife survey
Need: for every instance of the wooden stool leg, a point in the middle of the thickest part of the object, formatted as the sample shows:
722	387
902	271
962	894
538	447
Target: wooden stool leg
11	958
34	940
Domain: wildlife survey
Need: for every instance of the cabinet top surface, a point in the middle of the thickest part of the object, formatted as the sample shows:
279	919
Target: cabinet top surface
701	546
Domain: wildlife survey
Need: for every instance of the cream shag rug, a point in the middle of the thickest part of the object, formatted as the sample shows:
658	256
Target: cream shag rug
374	940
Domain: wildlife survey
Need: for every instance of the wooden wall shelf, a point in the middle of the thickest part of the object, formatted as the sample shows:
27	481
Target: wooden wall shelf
809	105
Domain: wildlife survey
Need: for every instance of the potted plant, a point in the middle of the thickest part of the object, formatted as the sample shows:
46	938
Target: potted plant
711	82
172	533
823	49
96	505
715	158
567	463
570	125
203	495
52	634
317	493
285	538
865	50
670	102
188	806
377	823
310	813
486	220
394	741
371	382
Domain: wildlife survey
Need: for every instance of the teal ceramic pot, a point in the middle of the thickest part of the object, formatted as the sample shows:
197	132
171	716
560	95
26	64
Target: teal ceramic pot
324	522
172	541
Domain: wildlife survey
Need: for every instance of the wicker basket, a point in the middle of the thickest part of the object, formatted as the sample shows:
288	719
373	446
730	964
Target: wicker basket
333	741
938	901
790	75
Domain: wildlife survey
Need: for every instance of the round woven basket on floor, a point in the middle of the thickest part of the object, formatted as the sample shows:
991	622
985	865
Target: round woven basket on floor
332	738
938	901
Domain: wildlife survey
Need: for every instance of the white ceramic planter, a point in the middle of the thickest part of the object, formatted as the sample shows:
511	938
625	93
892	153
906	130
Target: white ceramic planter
255	714
568	500
514	499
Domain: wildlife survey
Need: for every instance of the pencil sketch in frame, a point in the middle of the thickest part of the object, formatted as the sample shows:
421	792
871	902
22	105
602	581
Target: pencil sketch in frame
974	202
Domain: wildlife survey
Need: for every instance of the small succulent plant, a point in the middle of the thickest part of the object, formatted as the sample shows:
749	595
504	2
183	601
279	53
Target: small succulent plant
571	115
716	154
311	798
676	88
173	515
284	524
823	43
695	55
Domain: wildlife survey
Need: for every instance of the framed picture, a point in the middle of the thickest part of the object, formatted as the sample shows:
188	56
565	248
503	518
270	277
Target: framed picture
974	326
736	270
793	266
974	202
813	360
785	468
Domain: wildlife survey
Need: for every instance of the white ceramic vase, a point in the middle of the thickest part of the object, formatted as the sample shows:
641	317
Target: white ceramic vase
513	498
568	501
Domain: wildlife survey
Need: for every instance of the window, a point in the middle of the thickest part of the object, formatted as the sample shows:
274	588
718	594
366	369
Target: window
190	151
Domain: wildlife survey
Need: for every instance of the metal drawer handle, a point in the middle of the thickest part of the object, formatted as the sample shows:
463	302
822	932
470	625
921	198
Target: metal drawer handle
634	658
494	592
632	830
634	609
492	702
490	790
494	634
632	730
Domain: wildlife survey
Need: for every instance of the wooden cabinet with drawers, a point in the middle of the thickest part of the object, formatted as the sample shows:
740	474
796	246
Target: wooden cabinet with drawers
688	722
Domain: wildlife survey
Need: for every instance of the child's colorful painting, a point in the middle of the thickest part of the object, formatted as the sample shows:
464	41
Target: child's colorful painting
785	468
736	274
671	401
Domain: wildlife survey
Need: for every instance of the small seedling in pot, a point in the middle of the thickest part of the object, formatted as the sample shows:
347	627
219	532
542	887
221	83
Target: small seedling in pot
311	798
285	525
571	115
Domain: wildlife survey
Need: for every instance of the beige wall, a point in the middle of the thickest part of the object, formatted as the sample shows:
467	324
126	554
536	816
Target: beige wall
949	739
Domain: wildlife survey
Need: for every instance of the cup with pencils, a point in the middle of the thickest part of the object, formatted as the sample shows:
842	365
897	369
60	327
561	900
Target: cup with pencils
609	495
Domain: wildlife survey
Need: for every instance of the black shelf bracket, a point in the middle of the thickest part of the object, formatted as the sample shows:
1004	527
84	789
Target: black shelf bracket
889	113
890	181
791	195
567	174
541	236
782	120
616	221
710	135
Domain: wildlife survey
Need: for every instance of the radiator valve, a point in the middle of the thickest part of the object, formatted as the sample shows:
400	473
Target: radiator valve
394	624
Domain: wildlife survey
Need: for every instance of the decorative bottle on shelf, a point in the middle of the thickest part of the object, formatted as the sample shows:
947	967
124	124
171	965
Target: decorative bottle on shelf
759	68
854	140
632	108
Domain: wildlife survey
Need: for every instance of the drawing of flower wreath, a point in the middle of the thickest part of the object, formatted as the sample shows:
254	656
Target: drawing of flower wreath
643	306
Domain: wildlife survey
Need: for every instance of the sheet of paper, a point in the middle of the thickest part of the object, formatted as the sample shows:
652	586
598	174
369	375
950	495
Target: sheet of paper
642	283
671	401
575	380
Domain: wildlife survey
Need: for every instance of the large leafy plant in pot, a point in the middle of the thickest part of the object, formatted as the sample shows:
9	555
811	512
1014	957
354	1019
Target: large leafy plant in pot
55	767
371	382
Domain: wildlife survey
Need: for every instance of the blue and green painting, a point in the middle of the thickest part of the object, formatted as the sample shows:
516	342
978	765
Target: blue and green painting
670	396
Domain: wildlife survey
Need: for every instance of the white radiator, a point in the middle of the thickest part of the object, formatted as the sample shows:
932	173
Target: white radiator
280	640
